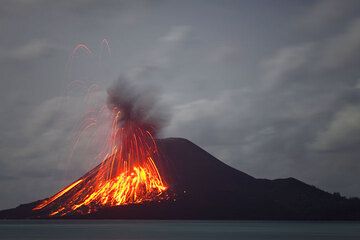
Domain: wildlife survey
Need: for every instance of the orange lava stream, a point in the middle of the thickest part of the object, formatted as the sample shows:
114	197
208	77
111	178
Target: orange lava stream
127	175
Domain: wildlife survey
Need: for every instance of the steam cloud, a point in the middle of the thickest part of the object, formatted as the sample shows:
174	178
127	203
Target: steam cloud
137	104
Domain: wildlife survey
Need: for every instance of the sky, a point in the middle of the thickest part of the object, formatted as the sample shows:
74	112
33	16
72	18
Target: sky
271	88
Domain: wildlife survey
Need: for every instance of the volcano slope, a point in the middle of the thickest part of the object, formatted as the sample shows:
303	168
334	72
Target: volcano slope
203	187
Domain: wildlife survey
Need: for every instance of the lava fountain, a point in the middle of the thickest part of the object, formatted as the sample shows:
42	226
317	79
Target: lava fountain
128	173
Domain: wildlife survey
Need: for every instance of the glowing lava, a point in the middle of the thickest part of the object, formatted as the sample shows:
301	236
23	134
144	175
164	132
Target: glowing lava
127	175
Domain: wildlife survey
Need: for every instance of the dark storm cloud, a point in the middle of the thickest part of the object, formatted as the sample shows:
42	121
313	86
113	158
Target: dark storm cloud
300	117
324	14
274	92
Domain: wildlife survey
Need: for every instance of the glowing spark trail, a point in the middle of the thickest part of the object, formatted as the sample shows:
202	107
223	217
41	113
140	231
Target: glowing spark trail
128	172
127	175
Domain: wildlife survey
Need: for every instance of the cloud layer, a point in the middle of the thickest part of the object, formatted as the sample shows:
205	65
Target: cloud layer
271	91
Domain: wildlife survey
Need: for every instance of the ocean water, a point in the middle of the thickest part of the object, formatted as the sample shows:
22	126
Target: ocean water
134	229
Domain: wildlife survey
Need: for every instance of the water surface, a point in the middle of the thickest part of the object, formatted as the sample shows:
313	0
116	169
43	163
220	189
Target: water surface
144	230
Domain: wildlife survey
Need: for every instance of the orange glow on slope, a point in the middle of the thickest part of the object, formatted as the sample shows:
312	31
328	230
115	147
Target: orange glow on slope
56	196
127	175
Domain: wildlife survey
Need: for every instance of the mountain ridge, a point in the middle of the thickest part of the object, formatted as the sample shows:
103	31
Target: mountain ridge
203	187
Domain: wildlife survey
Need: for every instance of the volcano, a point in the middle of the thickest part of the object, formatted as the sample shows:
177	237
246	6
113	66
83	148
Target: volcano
199	186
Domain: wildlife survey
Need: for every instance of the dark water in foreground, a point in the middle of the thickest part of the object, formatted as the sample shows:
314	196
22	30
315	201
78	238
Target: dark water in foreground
127	230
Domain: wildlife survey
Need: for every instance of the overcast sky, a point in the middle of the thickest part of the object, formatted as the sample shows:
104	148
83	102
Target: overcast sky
271	88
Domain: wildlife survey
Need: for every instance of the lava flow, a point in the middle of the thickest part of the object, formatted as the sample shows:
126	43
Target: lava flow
127	175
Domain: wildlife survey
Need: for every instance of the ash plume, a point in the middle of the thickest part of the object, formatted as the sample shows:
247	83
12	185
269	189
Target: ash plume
137	104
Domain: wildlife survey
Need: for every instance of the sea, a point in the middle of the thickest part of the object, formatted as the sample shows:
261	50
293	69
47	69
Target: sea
207	230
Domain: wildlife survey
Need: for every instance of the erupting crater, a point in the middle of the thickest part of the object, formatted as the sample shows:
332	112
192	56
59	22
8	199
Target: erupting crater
127	175
128	172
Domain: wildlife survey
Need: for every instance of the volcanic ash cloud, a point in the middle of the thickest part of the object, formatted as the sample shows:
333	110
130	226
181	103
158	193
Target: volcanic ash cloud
137	104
